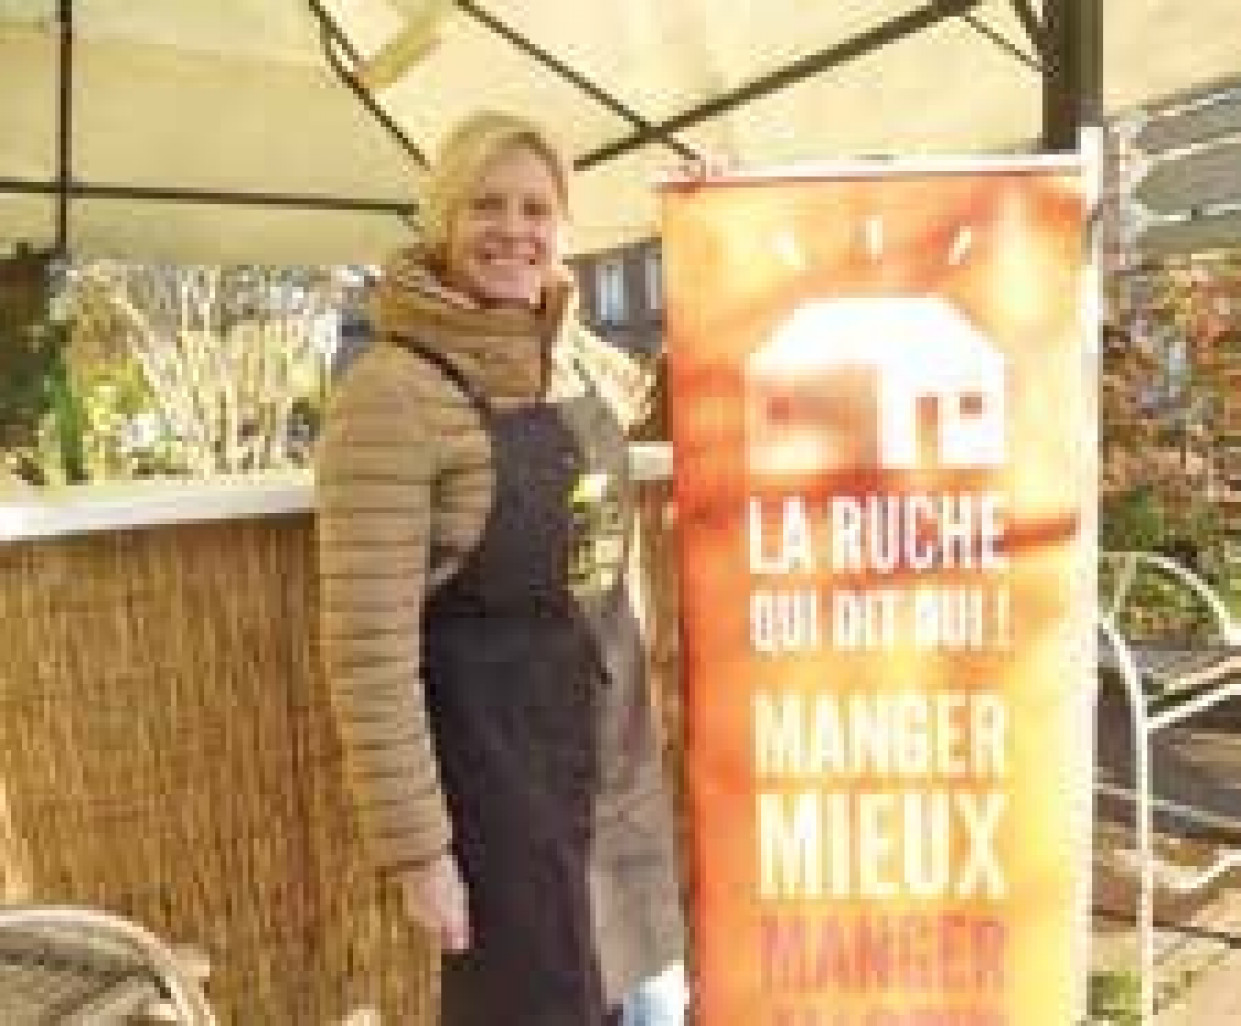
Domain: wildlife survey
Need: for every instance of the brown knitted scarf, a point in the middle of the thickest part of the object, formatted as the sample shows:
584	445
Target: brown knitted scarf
509	351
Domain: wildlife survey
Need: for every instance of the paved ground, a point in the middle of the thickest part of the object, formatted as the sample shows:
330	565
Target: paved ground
1198	977
1214	1000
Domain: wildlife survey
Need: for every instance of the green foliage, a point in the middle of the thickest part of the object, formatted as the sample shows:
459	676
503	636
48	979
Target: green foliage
41	419
138	371
1132	520
123	435
1115	998
29	357
1156	605
68	419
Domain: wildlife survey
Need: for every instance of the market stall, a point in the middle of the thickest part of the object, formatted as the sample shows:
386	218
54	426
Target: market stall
165	748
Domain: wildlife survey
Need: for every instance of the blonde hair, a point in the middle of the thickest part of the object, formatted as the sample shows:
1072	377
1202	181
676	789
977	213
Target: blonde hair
463	158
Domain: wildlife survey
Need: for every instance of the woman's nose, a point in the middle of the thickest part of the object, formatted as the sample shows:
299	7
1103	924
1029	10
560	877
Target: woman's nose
512	222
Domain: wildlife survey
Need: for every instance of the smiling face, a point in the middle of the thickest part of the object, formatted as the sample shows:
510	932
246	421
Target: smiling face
504	239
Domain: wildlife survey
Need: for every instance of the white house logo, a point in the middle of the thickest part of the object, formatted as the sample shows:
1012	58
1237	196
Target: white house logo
897	384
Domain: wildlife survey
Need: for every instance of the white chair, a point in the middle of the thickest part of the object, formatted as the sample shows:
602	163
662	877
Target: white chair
82	967
1166	683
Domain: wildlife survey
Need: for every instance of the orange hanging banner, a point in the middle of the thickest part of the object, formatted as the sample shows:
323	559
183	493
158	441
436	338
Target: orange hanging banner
883	433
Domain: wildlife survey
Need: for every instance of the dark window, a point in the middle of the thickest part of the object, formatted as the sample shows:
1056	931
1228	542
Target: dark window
610	291
654	269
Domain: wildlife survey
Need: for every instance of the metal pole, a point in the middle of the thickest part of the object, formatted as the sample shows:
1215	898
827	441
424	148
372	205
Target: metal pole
64	124
334	36
1029	21
576	78
1132	680
1002	41
215	197
901	27
1072	72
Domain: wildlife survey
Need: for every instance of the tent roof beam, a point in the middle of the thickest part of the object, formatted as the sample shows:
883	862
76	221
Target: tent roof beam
1002	41
334	36
925	17
1073	70
574	77
216	197
1029	21
64	122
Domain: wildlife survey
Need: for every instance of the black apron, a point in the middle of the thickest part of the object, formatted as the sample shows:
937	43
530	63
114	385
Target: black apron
514	680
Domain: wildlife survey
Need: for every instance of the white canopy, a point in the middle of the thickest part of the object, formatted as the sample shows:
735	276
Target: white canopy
178	97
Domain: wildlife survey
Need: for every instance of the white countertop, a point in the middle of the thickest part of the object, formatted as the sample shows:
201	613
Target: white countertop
45	513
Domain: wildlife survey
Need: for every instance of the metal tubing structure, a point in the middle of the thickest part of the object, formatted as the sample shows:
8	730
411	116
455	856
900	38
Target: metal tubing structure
1072	32
1145	726
1029	21
1002	41
64	123
333	37
92	190
1142	784
1067	39
576	78
924	17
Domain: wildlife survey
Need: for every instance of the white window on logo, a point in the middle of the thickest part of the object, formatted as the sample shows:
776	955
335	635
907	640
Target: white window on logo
654	280
611	291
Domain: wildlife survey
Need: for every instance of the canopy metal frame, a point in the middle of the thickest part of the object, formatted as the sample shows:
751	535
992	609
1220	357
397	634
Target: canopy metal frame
575	78
900	27
1002	41
335	42
1067	42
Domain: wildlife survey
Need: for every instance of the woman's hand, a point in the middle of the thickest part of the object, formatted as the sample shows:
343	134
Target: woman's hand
435	897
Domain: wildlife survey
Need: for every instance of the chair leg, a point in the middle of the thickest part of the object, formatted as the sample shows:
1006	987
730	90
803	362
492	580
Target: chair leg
115	1003
1146	894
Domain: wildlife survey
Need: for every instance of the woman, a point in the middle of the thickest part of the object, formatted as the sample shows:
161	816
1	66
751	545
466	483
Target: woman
485	667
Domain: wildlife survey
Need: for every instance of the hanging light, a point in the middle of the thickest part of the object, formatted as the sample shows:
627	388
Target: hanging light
424	20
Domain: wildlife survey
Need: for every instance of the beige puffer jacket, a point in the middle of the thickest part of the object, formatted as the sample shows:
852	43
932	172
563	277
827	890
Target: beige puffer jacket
403	488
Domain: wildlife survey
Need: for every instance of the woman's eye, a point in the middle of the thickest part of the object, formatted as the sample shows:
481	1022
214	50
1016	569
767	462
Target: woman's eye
487	204
494	205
